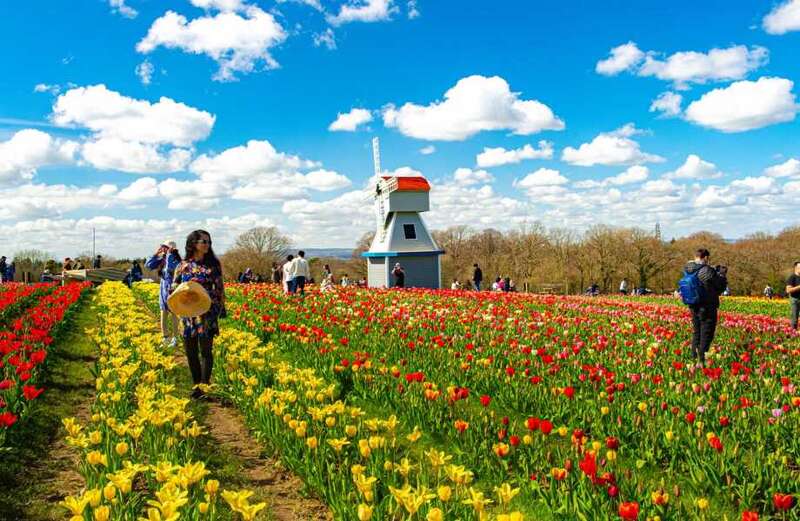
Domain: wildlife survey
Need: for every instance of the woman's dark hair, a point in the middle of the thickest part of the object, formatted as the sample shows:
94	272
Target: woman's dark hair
210	259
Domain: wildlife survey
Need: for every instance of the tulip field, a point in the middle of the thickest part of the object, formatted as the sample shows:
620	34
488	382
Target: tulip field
430	405
462	405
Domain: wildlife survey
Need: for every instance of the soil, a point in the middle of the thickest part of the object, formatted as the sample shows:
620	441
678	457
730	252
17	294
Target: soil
265	475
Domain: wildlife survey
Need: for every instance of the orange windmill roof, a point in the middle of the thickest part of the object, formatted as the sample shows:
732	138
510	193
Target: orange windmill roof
410	183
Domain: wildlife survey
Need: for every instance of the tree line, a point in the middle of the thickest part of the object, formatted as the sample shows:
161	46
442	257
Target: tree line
537	258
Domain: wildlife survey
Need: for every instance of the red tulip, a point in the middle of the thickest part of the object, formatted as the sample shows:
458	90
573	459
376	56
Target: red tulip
546	427
7	419
749	516
782	501
486	400
629	510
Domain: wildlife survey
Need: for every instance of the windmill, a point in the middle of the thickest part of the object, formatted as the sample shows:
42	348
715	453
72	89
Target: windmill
400	233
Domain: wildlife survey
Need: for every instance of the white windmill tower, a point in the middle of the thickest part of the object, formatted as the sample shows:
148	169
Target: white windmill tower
401	235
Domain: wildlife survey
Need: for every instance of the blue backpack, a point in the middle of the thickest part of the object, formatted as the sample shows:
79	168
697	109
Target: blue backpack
690	288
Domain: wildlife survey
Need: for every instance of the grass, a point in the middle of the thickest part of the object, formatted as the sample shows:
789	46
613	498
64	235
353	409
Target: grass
30	476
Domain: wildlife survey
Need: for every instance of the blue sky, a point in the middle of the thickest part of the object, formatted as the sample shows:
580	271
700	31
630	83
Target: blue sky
134	116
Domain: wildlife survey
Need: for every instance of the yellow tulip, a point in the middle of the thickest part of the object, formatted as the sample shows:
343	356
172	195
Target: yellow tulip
121	448
102	513
444	492
434	514
364	512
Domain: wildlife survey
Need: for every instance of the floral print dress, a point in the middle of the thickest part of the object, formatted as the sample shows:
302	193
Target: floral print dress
210	277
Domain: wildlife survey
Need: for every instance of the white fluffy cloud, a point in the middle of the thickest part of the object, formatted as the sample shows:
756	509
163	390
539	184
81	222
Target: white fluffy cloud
789	168
783	18
732	63
238	42
111	115
257	171
694	168
145	72
350	121
219	5
363	11
621	58
469	177
30	149
326	38
427	150
668	104
682	68
36	200
119	6
634	174
123	237
139	190
134	157
256	158
614	148
474	104
745	105
544	181
491	157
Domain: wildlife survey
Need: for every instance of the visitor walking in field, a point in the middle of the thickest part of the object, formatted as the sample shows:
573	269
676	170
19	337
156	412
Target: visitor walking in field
768	292
98	261
477	277
623	287
2	269
277	274
201	265
300	273
164	261
793	292
288	283
700	288
399	275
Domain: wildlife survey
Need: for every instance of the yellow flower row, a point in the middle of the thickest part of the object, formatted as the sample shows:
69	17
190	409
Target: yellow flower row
390	473
138	447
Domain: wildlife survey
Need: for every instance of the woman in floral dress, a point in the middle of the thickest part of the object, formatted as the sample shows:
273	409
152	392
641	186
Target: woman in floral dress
202	266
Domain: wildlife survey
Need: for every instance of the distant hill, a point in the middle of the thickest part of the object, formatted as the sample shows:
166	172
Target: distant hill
339	253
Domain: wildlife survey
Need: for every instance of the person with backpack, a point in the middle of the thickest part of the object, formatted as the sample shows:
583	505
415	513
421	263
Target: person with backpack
700	288
793	292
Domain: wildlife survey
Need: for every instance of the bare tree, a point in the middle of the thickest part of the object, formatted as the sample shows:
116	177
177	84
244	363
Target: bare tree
257	249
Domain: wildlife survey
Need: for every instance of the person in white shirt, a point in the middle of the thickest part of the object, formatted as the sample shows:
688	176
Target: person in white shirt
300	273
623	287
455	284
345	281
287	274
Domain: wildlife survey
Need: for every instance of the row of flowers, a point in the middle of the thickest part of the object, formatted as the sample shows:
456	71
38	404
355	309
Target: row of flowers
24	347
16	296
590	409
139	455
365	466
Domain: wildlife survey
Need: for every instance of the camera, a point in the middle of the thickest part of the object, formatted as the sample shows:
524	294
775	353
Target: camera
722	270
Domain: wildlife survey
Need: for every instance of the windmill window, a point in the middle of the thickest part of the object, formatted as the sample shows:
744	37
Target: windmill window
409	231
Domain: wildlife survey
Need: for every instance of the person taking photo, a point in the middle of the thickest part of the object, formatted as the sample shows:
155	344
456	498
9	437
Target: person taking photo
164	261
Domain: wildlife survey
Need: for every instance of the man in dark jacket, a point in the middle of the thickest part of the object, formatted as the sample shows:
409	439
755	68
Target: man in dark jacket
477	277
704	313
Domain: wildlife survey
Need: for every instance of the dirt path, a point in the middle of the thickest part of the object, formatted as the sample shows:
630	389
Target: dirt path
238	460
41	470
265	475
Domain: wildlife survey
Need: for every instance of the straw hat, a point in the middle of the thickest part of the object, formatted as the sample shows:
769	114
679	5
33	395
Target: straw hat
189	300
